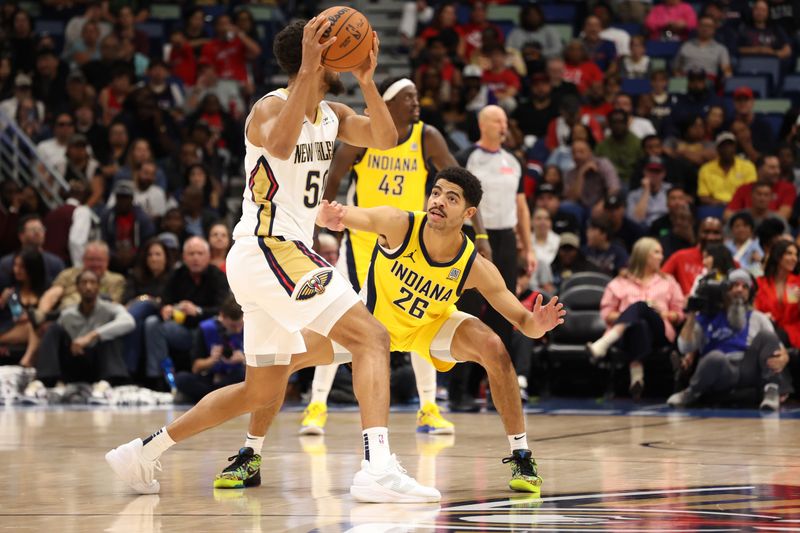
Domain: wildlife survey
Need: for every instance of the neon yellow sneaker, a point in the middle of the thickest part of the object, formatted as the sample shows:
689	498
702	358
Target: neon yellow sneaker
314	418
524	474
244	471
429	420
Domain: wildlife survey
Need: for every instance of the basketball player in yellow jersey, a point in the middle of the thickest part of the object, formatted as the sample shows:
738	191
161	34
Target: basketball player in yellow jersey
396	177
294	302
421	264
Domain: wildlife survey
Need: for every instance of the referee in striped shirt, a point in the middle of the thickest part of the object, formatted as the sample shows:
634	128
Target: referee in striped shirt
506	217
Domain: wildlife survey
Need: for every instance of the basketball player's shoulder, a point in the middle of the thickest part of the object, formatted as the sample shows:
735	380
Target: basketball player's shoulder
341	110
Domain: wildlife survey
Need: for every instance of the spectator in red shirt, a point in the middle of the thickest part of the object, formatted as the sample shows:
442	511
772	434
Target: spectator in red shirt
436	58
578	69
472	32
181	59
229	51
444	27
778	294
783	193
501	80
560	128
685	265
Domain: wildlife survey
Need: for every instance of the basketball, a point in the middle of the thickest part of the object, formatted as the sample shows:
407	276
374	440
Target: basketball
353	39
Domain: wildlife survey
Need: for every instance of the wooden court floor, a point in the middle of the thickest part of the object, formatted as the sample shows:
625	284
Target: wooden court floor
639	472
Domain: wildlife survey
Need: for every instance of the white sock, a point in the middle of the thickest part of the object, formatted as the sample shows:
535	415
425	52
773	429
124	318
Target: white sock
518	442
156	444
376	446
426	379
254	442
600	347
323	381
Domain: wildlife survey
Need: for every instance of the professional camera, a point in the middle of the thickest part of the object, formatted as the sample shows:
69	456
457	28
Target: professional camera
708	298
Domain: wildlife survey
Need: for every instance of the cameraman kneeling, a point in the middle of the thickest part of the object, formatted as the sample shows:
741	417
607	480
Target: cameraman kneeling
737	347
217	356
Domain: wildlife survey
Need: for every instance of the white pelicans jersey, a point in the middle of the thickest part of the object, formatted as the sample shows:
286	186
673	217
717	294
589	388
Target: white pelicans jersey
281	198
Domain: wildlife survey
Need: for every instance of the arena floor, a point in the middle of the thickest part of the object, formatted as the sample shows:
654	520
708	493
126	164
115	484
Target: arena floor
617	467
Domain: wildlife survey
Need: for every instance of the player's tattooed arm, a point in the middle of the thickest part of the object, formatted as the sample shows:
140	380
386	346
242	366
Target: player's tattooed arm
485	277
389	222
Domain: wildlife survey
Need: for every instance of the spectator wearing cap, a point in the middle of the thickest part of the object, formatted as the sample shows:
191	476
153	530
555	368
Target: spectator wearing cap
568	262
548	197
81	166
230	50
22	91
641	310
649	202
718	179
677	172
697	101
622	147
147	196
601	51
544	240
532	28
735	348
685	265
743	245
760	37
53	151
761	134
672	20
537	110
703	52
609	257
579	68
782	196
125	227
622	229
593	178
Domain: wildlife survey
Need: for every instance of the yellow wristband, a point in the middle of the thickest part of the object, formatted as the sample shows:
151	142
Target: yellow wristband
481	236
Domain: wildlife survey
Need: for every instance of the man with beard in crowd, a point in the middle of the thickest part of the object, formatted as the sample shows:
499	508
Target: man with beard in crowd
737	347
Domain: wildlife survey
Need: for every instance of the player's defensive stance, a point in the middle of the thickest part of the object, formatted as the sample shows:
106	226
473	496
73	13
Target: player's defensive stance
294	301
420	266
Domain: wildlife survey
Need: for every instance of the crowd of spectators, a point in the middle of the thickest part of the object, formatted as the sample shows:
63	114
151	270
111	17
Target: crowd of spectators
618	140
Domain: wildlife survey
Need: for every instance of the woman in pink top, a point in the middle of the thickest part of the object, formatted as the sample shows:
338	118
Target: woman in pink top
641	310
673	20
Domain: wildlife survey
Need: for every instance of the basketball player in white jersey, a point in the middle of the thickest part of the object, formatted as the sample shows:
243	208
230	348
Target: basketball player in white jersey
294	302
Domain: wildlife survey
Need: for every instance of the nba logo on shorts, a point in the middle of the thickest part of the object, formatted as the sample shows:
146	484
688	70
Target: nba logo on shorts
453	275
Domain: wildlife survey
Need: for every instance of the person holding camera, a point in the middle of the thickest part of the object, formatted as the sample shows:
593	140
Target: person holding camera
217	354
735	346
641	309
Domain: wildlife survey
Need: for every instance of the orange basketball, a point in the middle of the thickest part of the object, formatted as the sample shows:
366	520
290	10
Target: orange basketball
353	39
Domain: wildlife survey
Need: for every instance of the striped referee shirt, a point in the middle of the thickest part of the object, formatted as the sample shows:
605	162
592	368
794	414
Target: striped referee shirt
500	174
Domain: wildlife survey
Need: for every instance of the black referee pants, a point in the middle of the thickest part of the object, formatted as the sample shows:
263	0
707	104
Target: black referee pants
465	378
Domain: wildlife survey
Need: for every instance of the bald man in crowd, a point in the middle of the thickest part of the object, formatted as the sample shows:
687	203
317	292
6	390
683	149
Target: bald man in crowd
194	292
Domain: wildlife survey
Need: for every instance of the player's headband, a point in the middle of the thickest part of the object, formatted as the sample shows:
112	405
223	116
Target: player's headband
396	87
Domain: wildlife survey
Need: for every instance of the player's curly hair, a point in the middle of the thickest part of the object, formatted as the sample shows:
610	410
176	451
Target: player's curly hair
288	47
473	192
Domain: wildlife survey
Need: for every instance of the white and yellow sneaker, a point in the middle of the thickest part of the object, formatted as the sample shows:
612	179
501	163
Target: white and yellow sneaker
314	418
430	421
391	485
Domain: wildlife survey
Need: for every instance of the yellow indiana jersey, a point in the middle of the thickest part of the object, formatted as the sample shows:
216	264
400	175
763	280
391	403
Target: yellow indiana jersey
394	177
412	295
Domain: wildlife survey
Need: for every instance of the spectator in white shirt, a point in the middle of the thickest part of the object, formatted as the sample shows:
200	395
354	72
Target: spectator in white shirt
22	91
54	151
619	37
641	127
146	194
545	240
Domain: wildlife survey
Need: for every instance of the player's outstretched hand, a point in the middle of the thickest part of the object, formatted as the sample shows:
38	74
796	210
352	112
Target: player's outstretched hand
546	317
312	47
365	72
331	215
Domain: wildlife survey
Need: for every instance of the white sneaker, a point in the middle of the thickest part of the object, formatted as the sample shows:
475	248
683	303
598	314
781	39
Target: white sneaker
392	485
101	393
127	462
772	398
35	393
